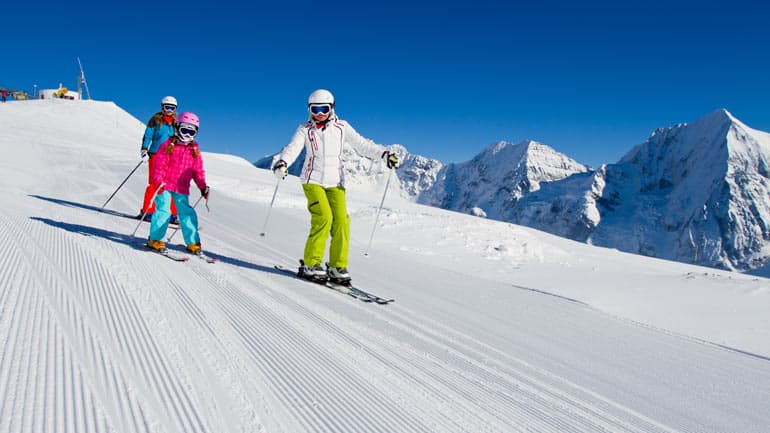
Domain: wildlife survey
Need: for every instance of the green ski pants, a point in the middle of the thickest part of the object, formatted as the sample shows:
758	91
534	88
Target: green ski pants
328	216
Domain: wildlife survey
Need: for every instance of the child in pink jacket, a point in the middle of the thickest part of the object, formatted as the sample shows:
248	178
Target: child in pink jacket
177	162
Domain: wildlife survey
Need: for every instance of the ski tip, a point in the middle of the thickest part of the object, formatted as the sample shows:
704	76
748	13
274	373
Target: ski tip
175	257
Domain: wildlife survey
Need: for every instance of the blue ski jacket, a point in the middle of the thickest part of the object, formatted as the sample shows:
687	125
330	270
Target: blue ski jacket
157	132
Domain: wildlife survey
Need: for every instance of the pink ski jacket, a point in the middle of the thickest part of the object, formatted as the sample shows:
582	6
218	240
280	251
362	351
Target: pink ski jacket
177	167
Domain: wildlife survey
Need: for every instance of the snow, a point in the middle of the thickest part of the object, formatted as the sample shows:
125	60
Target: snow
495	327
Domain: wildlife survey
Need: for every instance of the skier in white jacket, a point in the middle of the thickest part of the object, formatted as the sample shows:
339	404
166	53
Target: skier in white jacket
323	137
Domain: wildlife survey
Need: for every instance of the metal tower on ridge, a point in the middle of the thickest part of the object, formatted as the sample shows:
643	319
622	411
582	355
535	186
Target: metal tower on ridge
82	82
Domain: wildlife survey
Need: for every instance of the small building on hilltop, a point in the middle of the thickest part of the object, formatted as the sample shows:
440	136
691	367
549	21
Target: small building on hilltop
60	93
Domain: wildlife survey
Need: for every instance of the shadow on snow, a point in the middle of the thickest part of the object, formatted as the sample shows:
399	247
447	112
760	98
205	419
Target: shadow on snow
83	206
137	243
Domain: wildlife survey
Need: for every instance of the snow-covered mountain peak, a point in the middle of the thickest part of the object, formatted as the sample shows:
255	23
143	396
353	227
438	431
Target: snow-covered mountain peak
716	123
501	152
491	182
711	142
496	148
528	153
680	147
717	119
547	160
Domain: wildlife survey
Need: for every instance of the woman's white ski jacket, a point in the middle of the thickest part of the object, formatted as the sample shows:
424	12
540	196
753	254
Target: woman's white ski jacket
323	161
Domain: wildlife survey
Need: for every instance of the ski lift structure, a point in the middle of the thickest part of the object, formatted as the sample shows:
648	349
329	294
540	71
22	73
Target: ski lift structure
82	84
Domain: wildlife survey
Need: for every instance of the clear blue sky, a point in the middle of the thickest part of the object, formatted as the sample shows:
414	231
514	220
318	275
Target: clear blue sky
590	79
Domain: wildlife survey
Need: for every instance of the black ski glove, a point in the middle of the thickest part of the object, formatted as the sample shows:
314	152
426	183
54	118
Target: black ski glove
391	159
280	169
205	192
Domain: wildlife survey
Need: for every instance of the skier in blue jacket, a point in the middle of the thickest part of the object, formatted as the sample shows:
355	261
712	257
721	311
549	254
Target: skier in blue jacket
159	129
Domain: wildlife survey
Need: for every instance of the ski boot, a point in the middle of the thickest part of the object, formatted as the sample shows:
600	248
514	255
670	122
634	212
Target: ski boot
147	217
158	246
195	248
313	273
338	275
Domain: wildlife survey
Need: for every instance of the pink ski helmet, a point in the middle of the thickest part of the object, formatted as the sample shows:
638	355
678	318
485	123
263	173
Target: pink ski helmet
187	126
188	118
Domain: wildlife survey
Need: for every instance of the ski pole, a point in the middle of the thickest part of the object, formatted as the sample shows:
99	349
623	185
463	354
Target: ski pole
180	222
121	185
267	218
152	201
376	218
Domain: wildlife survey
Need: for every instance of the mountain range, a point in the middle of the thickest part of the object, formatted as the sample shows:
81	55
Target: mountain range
696	193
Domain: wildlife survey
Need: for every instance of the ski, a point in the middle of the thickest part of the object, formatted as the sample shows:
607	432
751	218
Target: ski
373	297
168	254
206	258
346	290
349	290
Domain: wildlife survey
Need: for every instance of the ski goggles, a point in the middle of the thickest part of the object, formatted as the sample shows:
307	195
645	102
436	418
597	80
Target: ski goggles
187	131
169	108
321	109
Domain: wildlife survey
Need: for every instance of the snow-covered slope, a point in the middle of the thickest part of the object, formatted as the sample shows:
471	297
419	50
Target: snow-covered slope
495	328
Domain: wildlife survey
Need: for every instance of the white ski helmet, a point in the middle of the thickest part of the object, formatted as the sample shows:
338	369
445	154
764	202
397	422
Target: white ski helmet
168	100
321	96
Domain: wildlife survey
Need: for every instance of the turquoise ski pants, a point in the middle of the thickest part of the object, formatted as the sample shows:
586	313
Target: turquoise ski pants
328	216
188	219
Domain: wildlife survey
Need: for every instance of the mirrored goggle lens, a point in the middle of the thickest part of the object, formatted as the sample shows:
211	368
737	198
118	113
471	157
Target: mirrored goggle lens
169	107
320	109
188	131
